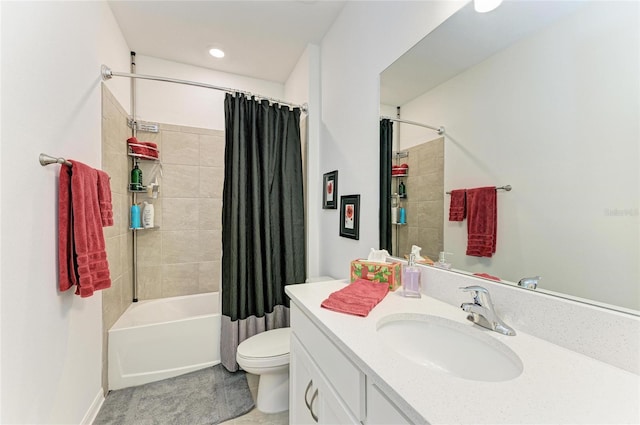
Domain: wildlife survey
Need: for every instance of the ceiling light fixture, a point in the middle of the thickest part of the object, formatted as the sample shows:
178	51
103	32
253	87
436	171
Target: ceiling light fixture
216	53
483	6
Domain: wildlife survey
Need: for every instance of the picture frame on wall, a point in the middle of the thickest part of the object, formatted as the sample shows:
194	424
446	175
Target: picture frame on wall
330	190
350	216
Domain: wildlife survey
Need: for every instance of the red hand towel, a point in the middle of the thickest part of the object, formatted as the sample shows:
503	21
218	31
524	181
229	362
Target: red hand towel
104	199
81	247
487	276
358	298
482	215
458	205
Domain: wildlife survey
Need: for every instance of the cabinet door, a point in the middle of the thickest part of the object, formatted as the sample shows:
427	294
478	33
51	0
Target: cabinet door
312	400
303	391
380	410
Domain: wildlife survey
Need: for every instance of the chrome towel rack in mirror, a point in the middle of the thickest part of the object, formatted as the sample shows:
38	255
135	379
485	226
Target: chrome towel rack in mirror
506	188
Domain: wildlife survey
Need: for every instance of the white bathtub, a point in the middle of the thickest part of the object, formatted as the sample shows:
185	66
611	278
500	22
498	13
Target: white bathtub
159	339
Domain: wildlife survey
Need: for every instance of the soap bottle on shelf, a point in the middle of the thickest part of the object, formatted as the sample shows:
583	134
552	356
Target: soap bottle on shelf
402	189
135	217
411	279
402	216
442	261
136	178
147	215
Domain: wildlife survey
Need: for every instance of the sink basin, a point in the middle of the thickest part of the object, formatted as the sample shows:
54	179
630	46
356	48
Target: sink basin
450	347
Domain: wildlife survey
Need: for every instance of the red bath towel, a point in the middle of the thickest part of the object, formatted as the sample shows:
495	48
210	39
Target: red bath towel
358	298
82	255
458	205
482	216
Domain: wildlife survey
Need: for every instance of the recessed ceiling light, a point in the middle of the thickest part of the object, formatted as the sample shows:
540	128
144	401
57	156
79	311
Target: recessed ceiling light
483	6
216	53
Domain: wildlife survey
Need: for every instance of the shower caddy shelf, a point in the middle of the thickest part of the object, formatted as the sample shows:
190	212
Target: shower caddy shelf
141	191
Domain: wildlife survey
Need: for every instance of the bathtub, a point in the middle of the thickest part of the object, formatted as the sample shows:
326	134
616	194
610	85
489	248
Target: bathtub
159	339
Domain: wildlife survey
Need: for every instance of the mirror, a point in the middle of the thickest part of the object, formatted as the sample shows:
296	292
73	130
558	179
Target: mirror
545	97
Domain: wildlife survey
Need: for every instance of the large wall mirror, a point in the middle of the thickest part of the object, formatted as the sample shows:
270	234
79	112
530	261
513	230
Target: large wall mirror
543	96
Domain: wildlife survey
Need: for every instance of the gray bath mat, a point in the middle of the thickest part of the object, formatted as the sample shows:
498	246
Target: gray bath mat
205	397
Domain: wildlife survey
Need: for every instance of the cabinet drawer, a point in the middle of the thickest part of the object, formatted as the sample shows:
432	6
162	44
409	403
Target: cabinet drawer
347	380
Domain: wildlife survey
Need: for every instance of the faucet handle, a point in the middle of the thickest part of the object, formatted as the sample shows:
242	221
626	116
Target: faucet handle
477	291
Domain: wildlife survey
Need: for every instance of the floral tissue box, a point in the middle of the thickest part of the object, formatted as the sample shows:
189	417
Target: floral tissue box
377	272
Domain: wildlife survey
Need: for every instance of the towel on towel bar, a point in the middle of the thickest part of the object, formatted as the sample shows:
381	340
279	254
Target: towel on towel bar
358	298
458	205
82	255
482	220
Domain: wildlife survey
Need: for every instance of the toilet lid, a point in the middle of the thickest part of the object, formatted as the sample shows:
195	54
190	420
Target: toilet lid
271	343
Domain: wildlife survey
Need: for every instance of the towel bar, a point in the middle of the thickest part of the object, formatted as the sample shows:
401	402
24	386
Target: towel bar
506	188
48	160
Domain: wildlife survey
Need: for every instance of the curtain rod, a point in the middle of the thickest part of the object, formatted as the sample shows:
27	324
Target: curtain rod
440	129
107	74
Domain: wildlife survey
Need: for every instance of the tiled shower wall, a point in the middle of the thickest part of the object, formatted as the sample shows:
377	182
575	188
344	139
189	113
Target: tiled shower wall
182	255
424	202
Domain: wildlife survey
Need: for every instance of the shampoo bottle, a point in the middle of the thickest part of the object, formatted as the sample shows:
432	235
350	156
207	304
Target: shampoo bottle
147	215
411	279
135	217
136	178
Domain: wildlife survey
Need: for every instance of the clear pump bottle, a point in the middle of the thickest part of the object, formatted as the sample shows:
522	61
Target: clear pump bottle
411	279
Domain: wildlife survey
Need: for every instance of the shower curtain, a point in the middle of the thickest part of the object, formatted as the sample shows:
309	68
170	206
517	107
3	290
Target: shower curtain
386	143
263	233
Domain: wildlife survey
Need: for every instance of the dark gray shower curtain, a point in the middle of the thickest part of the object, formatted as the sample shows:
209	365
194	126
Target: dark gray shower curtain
263	231
386	143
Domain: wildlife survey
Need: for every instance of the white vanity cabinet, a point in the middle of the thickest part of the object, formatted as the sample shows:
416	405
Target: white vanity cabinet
313	400
326	387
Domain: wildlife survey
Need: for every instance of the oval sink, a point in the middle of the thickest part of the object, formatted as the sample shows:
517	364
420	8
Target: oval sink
449	347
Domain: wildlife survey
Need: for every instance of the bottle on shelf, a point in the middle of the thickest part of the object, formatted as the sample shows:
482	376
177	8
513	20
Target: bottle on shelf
135	217
147	215
136	178
402	189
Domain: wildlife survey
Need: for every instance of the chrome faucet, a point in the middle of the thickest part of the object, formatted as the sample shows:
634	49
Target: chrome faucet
482	312
529	282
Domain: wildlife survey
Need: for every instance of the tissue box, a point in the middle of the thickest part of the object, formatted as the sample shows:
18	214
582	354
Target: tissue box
377	272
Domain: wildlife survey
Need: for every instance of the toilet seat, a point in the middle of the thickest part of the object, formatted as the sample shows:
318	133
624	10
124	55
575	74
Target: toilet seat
266	349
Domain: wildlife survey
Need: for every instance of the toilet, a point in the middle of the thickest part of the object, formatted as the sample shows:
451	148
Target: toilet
267	355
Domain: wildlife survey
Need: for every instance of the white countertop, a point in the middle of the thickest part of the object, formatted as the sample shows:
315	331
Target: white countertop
556	386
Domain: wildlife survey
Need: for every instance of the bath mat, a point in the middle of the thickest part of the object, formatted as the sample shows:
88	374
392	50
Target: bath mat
204	397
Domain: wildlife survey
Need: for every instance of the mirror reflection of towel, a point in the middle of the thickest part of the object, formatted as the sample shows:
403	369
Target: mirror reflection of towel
458	205
482	216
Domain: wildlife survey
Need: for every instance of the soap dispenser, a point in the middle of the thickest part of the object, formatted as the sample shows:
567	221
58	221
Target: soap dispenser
442	261
411	279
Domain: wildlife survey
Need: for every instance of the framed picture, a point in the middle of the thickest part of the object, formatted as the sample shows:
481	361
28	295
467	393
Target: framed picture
330	191
350	216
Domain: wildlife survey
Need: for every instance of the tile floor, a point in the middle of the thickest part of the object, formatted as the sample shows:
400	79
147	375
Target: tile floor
255	416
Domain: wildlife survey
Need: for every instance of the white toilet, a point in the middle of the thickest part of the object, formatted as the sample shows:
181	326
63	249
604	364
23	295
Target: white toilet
267	354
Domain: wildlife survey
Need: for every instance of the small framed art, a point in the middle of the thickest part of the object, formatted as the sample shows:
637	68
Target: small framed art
350	216
330	191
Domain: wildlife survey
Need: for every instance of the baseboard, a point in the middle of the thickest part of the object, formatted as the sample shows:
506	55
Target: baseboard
93	409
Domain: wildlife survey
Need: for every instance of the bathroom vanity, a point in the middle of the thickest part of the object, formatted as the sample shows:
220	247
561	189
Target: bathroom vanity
348	369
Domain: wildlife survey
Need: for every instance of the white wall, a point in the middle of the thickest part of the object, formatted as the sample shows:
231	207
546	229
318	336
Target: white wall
303	86
365	39
180	104
51	355
555	116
